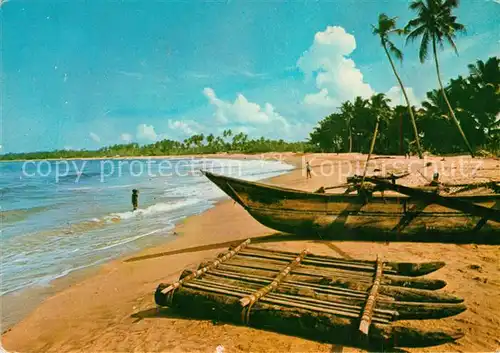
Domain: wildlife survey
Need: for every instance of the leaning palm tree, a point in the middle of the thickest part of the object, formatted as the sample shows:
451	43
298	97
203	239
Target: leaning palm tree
435	23
387	26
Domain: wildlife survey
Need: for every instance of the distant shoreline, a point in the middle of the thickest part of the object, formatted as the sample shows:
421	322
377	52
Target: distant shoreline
170	156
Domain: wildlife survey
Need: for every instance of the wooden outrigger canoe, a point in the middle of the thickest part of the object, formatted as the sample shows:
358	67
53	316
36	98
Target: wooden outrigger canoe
279	291
421	217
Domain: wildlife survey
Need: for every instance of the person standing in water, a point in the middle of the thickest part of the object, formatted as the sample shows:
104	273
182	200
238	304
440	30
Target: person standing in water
308	170
135	199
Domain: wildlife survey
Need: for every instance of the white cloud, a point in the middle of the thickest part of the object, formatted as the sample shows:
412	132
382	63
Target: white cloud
186	127
146	132
321	99
336	75
94	137
396	96
125	137
241	110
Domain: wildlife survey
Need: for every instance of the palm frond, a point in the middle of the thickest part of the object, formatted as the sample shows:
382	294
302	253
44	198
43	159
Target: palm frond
450	41
424	47
417	32
394	50
417	5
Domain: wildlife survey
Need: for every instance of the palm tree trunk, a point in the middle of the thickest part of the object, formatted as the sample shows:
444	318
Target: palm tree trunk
455	120
350	134
410	111
372	146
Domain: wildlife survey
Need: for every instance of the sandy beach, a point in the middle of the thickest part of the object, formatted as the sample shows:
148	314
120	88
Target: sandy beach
112	309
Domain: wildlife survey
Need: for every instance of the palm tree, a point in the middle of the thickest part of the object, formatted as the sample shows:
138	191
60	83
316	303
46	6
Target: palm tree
435	23
347	109
486	73
387	26
379	103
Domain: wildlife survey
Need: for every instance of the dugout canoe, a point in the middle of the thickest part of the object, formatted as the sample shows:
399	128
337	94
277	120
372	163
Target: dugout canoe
394	217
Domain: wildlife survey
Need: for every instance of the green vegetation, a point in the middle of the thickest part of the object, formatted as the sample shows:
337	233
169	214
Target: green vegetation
476	99
196	144
435	23
472	102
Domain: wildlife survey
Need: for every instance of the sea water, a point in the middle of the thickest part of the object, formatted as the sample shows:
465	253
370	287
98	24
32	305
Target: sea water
61	216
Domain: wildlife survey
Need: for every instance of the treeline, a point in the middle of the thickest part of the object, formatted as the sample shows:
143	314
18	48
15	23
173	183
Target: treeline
196	144
462	116
476	102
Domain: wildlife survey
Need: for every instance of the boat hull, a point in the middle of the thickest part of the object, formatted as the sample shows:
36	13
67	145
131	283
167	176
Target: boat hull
350	217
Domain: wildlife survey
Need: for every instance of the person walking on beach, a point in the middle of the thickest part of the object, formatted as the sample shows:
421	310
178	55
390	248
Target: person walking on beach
308	170
135	199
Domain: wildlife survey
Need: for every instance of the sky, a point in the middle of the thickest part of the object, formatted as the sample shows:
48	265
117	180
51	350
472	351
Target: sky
85	74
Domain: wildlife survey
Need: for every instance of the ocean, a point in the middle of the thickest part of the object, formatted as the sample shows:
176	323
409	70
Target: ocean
62	216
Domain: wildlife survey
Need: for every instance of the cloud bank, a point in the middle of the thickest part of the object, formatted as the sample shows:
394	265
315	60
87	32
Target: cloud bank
336	75
247	116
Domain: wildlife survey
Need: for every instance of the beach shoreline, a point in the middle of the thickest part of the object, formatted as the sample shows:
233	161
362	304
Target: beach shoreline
24	301
111	307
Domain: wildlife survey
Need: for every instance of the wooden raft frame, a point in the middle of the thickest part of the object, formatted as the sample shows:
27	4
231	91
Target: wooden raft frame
366	317
298	294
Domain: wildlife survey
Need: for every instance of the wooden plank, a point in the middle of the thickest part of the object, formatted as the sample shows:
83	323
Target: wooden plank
275	283
201	271
366	318
409	216
483	220
453	203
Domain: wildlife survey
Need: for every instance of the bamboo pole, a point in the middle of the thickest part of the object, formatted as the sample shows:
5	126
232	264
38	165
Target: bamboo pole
201	271
303	269
372	146
392	310
353	309
261	279
217	288
400	268
387	294
275	283
303	323
328	259
308	272
366	318
335	279
315	262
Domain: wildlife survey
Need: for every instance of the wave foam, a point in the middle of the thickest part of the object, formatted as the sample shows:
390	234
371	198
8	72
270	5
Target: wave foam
156	208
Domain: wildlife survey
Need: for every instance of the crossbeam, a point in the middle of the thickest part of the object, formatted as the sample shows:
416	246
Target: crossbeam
433	198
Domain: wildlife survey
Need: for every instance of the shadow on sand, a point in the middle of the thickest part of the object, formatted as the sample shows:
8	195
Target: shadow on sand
171	313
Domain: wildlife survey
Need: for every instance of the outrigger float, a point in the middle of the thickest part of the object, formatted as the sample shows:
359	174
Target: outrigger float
349	302
406	214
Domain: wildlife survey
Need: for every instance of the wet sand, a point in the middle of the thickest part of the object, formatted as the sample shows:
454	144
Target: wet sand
113	310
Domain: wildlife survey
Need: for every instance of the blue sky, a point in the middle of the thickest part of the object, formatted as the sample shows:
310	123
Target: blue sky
87	74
